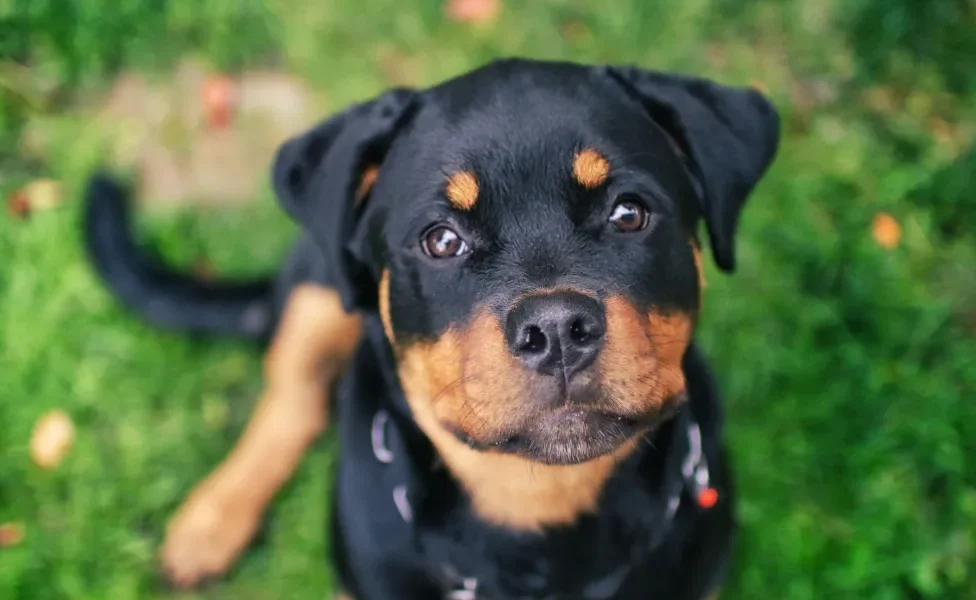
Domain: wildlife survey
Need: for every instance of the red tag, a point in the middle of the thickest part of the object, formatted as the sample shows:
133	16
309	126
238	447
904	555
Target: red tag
708	498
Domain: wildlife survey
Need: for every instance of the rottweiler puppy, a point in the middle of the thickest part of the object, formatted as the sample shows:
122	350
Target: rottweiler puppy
498	282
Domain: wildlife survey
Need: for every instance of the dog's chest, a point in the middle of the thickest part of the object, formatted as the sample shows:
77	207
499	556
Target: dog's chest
591	561
626	549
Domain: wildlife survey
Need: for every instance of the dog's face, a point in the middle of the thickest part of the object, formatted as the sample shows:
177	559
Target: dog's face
531	237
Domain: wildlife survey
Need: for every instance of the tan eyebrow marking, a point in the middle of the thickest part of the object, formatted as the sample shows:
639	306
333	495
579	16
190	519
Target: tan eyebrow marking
366	182
462	190
590	168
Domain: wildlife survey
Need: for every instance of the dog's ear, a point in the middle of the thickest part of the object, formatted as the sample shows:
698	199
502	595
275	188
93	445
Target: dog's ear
729	134
317	178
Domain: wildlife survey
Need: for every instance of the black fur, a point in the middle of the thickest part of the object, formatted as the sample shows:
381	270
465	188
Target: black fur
517	125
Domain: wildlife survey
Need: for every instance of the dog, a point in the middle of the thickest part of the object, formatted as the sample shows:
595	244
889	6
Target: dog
495	291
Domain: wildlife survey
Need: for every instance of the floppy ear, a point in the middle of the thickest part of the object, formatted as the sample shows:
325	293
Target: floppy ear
316	176
730	135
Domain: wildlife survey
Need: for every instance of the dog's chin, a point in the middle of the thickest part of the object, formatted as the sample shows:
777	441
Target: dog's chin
570	436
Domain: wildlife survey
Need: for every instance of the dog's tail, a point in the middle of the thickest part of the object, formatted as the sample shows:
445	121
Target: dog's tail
162	296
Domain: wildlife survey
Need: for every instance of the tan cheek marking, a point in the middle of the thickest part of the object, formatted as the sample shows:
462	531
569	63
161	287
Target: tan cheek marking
384	305
462	190
671	334
366	182
590	168
477	384
641	362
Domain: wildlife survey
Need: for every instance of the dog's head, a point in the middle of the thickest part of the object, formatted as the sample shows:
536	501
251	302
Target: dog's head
527	233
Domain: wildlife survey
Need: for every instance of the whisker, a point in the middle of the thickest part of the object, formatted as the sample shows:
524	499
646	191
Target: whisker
452	386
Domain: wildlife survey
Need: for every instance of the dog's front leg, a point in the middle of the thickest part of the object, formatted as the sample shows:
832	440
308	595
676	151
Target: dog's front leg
308	354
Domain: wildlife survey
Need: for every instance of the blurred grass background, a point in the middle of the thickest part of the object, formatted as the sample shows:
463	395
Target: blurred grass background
844	343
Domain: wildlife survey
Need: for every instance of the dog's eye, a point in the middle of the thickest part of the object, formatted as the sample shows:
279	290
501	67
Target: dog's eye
629	216
443	242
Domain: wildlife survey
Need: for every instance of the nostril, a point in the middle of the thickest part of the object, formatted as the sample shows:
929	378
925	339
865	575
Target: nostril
578	332
533	340
583	331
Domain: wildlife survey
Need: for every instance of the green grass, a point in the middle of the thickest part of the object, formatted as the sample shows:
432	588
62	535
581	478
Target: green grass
849	370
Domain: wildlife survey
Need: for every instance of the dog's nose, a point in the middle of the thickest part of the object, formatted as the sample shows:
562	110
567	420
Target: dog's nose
556	333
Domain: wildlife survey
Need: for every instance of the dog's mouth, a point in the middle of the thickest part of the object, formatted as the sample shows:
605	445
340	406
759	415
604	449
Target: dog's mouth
569	435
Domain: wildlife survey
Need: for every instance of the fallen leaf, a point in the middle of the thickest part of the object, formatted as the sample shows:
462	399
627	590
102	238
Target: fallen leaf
219	97
886	230
52	438
38	195
18	205
576	32
473	11
11	534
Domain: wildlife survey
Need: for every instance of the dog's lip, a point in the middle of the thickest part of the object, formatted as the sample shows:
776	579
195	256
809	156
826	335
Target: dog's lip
574	415
572	435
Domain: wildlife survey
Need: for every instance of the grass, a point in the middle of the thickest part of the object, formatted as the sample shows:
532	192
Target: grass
849	369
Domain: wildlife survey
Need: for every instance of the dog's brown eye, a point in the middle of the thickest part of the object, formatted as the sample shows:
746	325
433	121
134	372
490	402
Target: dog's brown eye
629	216
443	242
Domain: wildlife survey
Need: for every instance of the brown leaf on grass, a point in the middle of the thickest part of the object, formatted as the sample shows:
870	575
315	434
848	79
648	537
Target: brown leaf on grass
576	32
11	534
886	231
18	205
219	96
53	435
472	11
38	195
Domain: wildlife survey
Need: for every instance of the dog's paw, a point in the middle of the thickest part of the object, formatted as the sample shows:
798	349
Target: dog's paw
205	537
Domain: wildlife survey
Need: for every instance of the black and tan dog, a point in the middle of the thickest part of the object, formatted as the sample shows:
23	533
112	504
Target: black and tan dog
499	282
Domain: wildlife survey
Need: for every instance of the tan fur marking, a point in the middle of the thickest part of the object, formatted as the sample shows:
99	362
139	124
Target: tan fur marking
640	364
366	182
308	354
590	168
384	305
462	190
